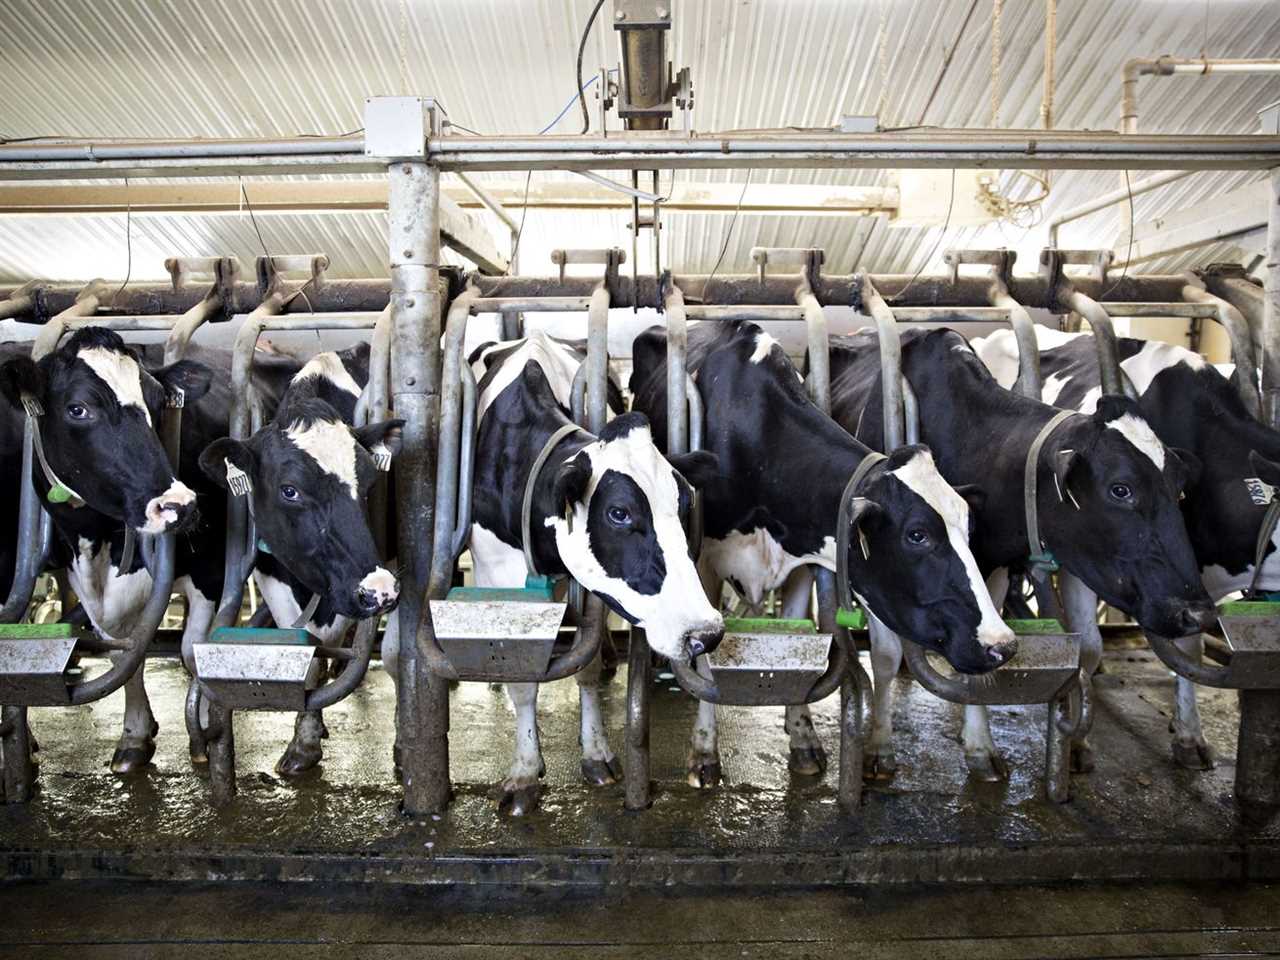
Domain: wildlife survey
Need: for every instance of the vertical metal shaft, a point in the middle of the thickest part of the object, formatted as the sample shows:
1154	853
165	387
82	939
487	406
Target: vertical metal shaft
15	746
422	699
1271	311
677	378
636	759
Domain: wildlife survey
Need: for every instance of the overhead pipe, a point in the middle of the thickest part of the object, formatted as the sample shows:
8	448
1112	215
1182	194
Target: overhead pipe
1104	200
1170	66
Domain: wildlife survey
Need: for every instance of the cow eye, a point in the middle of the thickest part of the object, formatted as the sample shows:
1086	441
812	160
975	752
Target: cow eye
1121	491
917	537
290	493
619	516
77	411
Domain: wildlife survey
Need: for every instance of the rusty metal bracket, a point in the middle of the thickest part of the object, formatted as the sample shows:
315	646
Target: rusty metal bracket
1002	260
223	271
270	269
611	257
808	259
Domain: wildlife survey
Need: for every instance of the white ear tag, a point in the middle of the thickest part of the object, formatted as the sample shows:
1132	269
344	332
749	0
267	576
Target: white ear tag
237	480
381	457
175	398
32	406
1057	486
862	542
1260	492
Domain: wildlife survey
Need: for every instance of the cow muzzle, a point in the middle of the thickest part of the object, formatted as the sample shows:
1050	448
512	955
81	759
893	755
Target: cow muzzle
703	639
172	510
377	593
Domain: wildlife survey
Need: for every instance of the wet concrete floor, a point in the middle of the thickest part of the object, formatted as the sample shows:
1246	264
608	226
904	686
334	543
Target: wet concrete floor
247	921
1135	816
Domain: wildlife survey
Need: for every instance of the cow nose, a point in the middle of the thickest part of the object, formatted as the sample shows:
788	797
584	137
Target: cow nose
1001	653
1198	617
703	640
369	601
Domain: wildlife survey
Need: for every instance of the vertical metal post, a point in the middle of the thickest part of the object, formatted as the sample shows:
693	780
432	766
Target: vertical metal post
15	746
1258	747
422	699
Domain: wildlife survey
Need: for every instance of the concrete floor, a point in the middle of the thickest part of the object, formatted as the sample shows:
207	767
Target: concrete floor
200	921
1135	816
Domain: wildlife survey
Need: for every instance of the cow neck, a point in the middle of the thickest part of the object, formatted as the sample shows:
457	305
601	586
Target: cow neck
526	507
1040	561
556	442
261	546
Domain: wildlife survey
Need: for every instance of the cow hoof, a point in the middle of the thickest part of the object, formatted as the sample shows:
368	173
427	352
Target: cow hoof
199	754
879	766
519	799
601	773
704	770
1081	758
808	761
132	758
298	759
1193	755
987	767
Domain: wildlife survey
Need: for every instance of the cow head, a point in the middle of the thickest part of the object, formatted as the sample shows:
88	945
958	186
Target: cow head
619	531
1109	511
911	566
98	429
310	475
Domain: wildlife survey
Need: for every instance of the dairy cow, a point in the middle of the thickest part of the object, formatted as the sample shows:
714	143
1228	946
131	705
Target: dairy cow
1107	500
1192	405
608	511
772	510
310	473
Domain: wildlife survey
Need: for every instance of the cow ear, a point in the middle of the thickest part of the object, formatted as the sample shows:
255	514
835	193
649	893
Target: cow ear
220	453
1184	468
20	375
861	512
1113	406
387	434
571	481
973	495
699	467
1065	461
186	378
1268	471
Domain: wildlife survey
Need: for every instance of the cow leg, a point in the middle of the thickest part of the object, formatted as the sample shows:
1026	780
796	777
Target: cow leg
599	764
304	750
980	753
1190	749
1080	606
391	665
702	764
878	759
138	741
521	788
806	757
200	613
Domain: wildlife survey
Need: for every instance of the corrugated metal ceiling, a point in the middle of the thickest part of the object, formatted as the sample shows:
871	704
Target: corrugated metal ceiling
116	68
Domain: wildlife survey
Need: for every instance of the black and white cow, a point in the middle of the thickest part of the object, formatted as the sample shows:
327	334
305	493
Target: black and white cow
772	510
624	541
101	406
1107	499
1190	405
310	473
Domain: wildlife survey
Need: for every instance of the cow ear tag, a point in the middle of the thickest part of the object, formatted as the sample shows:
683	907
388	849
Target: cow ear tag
237	480
32	406
1058	486
381	457
175	398
58	494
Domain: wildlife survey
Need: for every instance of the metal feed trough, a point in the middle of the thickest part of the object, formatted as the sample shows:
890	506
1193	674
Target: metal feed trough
764	661
248	668
497	635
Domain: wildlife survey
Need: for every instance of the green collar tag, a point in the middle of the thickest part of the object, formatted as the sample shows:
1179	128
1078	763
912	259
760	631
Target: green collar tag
59	494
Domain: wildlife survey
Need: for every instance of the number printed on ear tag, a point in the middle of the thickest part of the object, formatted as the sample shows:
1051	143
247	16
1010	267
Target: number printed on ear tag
1260	492
237	480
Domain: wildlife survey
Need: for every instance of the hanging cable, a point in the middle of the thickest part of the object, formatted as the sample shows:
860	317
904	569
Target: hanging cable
997	9
128	241
1050	57
1129	253
404	47
882	58
942	236
582	46
728	235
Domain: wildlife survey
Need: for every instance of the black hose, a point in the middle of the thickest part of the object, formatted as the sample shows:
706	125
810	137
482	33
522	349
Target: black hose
582	45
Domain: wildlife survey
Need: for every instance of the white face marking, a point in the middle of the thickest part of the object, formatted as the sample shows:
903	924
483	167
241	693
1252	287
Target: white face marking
163	510
1140	434
120	373
764	344
922	477
331	445
679	606
381	584
328	366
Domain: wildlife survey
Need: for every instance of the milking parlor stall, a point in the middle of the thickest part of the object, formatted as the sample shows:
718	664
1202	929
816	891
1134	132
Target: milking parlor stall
509	476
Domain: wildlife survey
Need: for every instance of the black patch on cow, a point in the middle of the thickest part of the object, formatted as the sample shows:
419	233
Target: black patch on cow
621	533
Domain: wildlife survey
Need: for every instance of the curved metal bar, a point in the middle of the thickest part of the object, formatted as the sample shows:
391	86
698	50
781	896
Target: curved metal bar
1077	720
586	642
1195	671
890	365
35	532
86	305
449	444
374	406
1029	382
1242	352
598	359
341	686
127	664
694	399
815	322
910	412
694	683
1104	336
19	301
677	373
968	689
466	463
